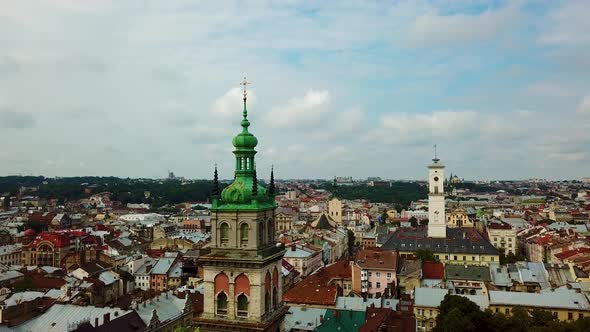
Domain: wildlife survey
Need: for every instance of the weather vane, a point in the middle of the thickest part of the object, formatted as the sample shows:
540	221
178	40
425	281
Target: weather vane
244	84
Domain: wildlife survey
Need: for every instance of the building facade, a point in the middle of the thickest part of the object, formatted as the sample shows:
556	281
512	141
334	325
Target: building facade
436	200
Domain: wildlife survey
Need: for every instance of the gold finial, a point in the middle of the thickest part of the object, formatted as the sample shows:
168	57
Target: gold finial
243	84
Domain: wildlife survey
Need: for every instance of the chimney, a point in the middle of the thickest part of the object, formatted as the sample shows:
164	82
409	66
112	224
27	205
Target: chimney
321	319
106	318
96	322
293	247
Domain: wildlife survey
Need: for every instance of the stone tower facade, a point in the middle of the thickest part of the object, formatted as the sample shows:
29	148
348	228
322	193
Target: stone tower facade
242	273
436	200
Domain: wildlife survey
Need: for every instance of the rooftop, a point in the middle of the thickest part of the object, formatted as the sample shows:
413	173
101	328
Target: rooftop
316	289
376	259
554	299
458	240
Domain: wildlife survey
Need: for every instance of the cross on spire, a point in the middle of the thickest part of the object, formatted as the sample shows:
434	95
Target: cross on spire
244	84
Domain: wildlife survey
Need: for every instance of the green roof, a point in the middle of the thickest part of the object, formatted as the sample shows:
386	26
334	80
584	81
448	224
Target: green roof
244	193
345	321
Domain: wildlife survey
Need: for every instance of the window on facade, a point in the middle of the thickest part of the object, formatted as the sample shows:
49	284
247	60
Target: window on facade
378	274
388	275
464	258
436	189
580	316
242	306
261	233
509	245
244	229
507	311
224	233
369	273
570	316
555	314
267	301
509	239
378	284
492	259
222	304
454	257
472	258
370	284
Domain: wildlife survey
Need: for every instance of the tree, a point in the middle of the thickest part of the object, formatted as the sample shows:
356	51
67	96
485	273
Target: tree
464	316
384	217
425	255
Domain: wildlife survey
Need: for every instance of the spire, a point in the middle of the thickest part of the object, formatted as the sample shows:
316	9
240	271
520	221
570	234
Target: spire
271	186
255	183
245	123
188	305
154	321
215	183
435	159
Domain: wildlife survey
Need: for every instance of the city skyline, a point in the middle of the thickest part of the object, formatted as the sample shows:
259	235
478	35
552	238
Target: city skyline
132	90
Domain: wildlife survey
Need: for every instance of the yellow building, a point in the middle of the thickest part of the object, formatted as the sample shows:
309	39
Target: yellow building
461	246
335	210
459	218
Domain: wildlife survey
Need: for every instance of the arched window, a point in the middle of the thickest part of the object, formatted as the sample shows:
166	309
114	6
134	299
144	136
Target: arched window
222	304
267	301
261	233
244	230
242	306
224	233
274	297
270	230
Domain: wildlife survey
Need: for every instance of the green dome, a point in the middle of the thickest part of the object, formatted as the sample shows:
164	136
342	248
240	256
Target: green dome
245	140
240	192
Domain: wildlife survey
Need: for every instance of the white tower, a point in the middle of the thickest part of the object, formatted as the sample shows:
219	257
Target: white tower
436	199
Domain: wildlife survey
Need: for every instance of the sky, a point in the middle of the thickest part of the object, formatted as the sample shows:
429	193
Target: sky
339	88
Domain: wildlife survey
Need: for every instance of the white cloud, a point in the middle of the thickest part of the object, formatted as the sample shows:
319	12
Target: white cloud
231	105
550	89
568	25
584	106
448	30
301	111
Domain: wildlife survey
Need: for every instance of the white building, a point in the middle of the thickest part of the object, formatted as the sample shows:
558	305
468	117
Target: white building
437	227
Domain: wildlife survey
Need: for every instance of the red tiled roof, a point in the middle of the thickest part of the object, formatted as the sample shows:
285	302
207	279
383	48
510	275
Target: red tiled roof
377	259
433	270
43	282
570	253
317	289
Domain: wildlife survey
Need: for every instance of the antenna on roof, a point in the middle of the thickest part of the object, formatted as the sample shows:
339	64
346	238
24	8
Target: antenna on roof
436	160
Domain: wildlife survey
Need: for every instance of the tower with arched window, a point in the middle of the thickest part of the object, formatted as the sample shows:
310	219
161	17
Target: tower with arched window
242	272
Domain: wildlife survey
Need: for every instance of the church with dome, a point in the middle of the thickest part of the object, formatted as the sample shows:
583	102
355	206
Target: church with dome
242	273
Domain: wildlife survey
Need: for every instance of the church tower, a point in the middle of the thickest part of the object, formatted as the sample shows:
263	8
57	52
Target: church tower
242	272
436	199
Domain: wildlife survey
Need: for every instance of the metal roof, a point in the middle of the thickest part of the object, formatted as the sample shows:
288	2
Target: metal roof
553	299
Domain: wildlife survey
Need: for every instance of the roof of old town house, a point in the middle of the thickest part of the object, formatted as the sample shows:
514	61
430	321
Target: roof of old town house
458	240
316	288
377	259
433	270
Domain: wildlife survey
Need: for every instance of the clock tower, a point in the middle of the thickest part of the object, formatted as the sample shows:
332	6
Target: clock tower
436	199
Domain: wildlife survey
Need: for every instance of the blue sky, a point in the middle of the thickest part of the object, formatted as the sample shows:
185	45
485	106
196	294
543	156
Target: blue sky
359	88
